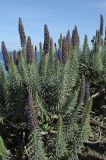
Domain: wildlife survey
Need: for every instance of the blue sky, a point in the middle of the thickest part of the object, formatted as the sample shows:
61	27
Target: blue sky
59	15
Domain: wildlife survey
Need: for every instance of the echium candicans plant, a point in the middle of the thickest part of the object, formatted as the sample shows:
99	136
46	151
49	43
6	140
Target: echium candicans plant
46	44
30	112
55	49
68	41
99	33
85	56
98	41
35	51
64	49
5	54
75	37
59	54
30	56
98	48
87	92
51	46
15	57
34	144
97	52
22	35
101	25
40	50
104	40
60	41
82	89
66	46
85	45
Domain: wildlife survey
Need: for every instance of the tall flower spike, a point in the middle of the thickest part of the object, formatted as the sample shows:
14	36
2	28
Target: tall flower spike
82	90
101	24
29	51
55	45
60	41
6	57
18	55
46	40
30	112
85	46
22	35
40	50
15	58
51	46
97	40
75	37
64	49
35	52
87	93
105	37
60	55
98	36
68	41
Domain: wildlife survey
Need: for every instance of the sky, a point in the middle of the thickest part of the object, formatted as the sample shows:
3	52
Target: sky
59	15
